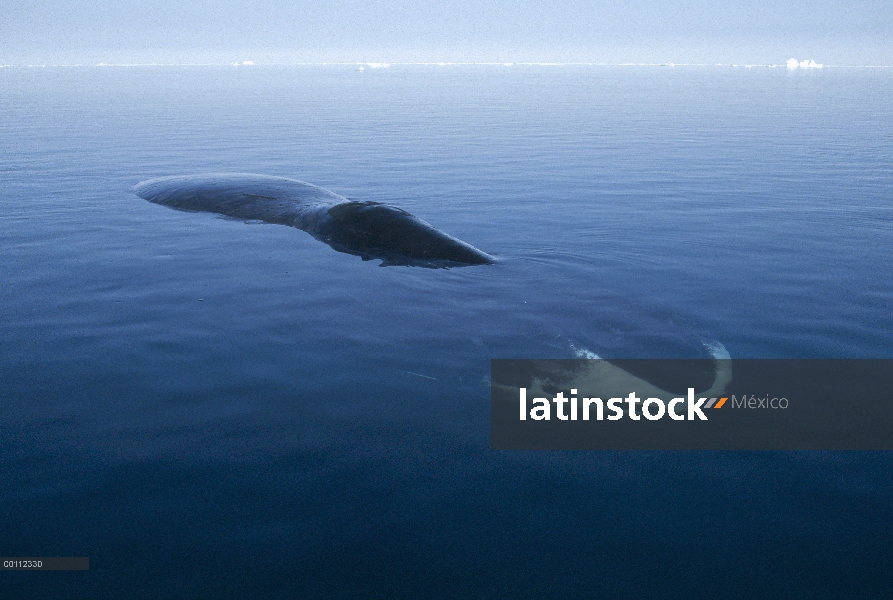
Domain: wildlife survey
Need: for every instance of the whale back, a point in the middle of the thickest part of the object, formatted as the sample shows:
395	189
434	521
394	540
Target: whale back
241	196
370	230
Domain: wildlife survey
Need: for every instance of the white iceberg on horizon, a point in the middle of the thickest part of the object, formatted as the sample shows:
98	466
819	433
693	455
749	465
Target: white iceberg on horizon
793	63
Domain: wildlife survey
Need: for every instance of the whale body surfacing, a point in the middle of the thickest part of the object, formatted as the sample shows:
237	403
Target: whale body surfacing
370	230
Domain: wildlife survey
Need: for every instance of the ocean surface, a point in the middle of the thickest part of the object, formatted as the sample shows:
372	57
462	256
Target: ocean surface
208	408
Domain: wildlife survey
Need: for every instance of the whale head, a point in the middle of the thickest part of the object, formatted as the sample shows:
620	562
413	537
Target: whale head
375	230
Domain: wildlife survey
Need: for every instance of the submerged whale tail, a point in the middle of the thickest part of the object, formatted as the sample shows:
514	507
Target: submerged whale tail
370	230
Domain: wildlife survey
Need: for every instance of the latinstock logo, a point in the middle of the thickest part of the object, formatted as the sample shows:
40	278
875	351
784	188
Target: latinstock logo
652	408
596	404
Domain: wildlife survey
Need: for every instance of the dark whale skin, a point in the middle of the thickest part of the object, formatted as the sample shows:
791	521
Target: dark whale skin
370	230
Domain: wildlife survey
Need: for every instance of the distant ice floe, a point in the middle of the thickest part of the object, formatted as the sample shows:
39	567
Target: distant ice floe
364	66
247	63
793	63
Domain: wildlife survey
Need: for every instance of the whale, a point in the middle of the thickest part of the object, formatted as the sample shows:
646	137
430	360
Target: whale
370	230
613	378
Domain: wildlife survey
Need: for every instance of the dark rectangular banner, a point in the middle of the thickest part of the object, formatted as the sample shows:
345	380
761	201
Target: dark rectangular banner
675	404
45	563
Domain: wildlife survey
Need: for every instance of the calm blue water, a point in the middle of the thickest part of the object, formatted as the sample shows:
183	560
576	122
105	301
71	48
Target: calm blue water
208	408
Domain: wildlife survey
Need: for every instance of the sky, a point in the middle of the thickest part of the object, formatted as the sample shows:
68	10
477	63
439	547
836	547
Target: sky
184	31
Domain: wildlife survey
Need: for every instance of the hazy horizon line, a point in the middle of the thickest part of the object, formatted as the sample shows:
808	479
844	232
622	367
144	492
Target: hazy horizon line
387	64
